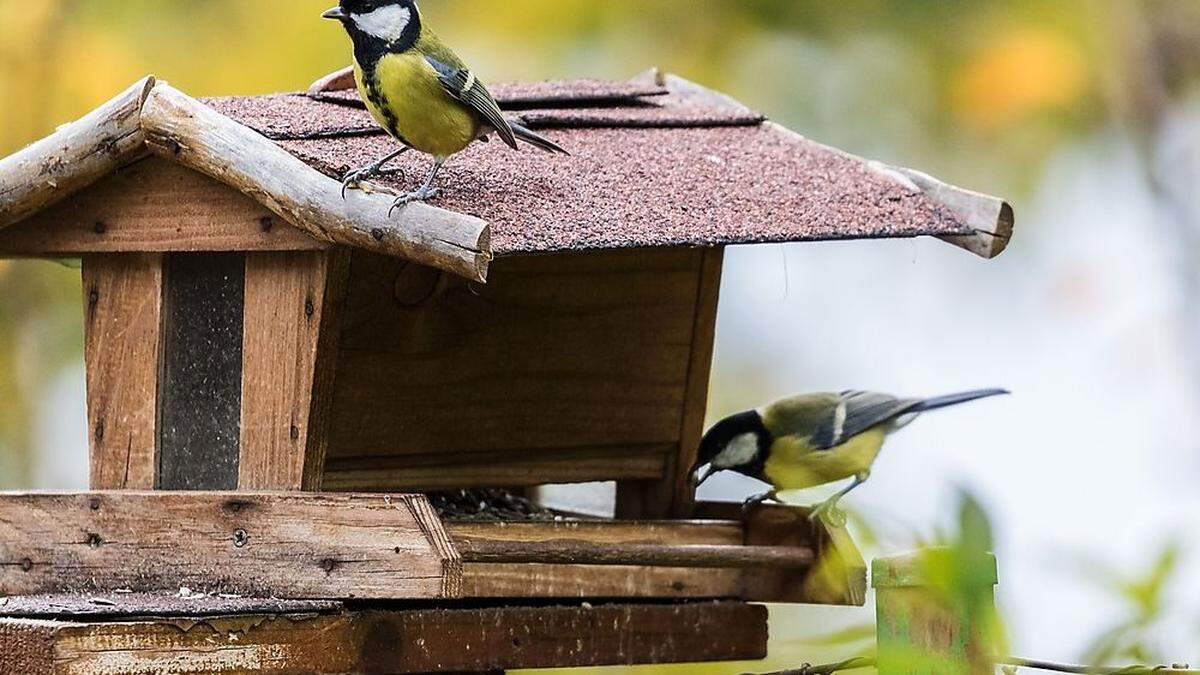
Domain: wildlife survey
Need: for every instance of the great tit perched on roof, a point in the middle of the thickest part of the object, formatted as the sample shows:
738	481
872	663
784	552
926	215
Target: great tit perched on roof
419	90
813	440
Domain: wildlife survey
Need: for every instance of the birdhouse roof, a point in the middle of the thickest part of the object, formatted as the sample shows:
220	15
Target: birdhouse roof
656	162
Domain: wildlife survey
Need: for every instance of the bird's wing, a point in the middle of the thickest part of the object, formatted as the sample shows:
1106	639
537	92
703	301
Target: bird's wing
462	85
856	412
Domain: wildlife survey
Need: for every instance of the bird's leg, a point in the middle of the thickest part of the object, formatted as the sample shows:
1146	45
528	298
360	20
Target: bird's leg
353	178
828	510
758	500
423	193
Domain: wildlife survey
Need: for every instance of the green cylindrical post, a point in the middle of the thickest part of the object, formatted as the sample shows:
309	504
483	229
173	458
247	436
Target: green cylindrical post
922	629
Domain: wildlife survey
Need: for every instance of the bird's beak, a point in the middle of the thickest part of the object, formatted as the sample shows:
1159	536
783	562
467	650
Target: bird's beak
701	474
336	14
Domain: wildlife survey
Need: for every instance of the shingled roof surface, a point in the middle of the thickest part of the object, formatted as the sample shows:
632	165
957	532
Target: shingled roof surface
647	168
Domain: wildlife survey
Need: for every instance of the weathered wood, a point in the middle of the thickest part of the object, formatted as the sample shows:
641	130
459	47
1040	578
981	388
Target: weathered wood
406	641
74	156
153	205
673	495
338	80
922	631
589	582
184	130
642	555
291	326
264	545
513	468
75	607
562	355
201	379
122	320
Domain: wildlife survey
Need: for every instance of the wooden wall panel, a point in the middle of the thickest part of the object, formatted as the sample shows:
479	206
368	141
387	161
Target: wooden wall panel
122	319
556	353
289	354
154	205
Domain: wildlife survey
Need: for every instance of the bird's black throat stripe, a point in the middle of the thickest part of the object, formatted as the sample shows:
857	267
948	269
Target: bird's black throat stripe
376	97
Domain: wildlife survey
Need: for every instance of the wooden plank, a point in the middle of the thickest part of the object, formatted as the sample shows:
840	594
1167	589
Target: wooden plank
514	469
639	555
682	532
558	352
75	606
292	546
201	381
291	326
122	319
673	495
489	580
412	641
154	205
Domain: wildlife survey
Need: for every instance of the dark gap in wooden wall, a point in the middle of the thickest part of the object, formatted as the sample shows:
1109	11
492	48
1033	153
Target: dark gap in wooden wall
200	390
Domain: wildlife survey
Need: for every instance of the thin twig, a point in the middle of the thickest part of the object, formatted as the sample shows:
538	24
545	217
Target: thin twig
1179	669
868	662
828	668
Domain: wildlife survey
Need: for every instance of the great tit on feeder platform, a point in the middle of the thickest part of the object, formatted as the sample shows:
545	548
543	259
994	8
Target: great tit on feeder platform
419	91
813	440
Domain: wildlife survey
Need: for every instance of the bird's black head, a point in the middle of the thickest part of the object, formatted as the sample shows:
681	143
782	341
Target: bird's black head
395	24
737	443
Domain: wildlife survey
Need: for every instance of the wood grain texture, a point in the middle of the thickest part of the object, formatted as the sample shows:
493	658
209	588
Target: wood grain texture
514	468
154	205
186	131
291	326
122	340
673	496
412	641
291	546
199	403
74	156
592	582
560	354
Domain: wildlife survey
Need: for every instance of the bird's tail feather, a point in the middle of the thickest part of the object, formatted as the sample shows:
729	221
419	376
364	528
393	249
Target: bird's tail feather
955	399
536	140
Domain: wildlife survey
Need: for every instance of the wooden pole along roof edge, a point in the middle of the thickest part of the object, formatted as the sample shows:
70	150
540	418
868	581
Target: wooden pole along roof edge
991	217
152	116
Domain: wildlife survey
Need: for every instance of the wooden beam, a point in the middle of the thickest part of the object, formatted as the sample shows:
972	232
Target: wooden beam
201	376
153	205
184	130
292	546
404	641
291	327
74	156
338	80
122	321
672	496
637	555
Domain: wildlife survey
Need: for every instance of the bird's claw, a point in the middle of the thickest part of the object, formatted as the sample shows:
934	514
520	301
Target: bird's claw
353	179
758	500
422	195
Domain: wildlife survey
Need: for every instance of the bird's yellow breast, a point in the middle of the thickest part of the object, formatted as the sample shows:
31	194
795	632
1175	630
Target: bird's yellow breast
794	465
405	97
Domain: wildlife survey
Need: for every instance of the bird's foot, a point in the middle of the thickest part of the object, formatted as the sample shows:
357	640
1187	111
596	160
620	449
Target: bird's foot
758	500
829	513
422	195
353	179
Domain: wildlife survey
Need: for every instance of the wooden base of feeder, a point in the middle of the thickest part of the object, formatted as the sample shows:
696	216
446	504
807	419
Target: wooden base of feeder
376	640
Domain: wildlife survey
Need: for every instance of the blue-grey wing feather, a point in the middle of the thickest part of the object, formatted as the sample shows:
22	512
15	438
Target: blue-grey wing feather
461	85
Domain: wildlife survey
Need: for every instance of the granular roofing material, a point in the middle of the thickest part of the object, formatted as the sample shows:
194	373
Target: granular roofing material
644	171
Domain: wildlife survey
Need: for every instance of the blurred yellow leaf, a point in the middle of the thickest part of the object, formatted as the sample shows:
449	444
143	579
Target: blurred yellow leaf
1021	72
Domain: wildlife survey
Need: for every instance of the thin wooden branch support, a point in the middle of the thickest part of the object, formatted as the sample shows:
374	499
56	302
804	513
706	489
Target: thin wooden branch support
181	128
649	555
74	157
338	80
991	218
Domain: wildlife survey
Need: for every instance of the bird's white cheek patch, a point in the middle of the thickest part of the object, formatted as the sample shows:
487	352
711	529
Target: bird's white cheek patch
741	450
386	23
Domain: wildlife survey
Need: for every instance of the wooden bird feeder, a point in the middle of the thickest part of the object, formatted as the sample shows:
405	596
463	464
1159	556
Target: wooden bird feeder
276	373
